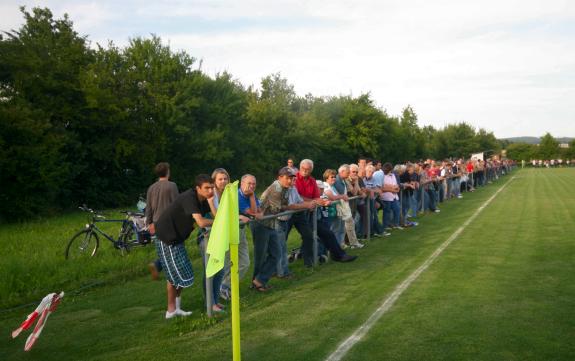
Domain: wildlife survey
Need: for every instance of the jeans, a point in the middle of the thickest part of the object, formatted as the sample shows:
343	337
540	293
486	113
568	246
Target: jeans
266	252
217	278
157	262
431	199
406	204
441	193
243	259
282	266
326	239
456	187
361	223
414	204
338	229
375	225
390	213
302	222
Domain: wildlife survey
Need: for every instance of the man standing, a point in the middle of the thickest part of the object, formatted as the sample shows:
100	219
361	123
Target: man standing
172	228
390	199
373	186
267	233
248	208
345	224
307	188
291	166
159	196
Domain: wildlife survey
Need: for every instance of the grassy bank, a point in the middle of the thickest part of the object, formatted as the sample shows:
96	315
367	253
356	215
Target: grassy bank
500	291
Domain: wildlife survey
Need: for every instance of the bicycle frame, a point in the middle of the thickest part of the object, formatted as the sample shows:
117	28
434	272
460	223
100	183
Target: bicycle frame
95	228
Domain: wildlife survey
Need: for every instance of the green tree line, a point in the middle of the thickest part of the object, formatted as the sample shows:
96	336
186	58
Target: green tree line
83	124
547	149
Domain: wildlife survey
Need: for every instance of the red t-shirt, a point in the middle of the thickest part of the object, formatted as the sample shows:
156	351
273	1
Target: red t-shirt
306	187
469	167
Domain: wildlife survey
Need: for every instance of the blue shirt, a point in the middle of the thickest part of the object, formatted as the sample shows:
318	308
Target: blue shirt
378	178
340	185
244	201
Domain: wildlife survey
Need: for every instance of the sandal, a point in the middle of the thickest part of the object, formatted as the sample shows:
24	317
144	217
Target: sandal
217	309
259	288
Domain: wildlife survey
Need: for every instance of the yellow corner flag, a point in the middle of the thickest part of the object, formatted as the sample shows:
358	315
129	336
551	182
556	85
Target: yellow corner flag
225	234
225	230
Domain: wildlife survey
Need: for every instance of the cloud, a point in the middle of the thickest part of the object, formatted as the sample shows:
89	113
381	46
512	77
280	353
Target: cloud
505	66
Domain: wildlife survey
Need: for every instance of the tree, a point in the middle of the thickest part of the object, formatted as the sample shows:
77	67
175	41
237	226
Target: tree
455	141
548	147
41	100
522	151
570	152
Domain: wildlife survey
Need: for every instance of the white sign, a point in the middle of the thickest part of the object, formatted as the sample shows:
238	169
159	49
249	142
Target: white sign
478	156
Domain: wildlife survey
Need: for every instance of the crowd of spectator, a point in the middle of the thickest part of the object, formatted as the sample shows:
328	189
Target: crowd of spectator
550	163
342	210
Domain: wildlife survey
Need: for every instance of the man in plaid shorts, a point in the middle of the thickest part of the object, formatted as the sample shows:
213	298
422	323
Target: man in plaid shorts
172	228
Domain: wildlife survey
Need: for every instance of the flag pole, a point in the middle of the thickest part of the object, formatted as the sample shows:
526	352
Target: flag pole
235	302
223	236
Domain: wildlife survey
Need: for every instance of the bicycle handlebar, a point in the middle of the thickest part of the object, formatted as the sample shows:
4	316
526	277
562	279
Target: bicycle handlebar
95	214
130	213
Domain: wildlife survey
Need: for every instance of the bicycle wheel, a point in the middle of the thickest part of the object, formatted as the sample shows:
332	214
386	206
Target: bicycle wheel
84	244
125	240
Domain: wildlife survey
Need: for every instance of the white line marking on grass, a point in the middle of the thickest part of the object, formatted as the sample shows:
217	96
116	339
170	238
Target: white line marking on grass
346	345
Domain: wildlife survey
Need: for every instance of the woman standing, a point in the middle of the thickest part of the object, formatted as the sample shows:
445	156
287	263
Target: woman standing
343	209
220	178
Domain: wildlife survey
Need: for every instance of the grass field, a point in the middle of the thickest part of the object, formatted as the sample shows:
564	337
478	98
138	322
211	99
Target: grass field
503	290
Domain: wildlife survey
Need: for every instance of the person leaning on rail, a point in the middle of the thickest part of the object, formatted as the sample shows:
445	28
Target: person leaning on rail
173	227
266	232
220	178
343	224
249	207
356	187
373	188
307	188
390	197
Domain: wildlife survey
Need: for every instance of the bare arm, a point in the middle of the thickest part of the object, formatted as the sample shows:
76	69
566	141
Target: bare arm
201	221
253	204
333	197
213	209
303	205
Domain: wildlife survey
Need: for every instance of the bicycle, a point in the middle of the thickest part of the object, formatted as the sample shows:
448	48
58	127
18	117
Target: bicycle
86	242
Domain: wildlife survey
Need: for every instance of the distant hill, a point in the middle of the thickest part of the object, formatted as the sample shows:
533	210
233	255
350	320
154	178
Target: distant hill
535	140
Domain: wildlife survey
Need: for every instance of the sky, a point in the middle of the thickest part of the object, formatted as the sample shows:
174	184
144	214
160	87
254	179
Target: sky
506	66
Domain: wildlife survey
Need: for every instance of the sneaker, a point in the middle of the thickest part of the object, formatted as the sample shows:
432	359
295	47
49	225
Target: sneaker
437	210
180	312
346	258
414	224
398	227
153	271
359	245
177	312
386	234
288	276
225	293
460	196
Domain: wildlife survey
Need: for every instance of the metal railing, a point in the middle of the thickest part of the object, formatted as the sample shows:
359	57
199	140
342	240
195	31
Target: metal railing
366	221
314	217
